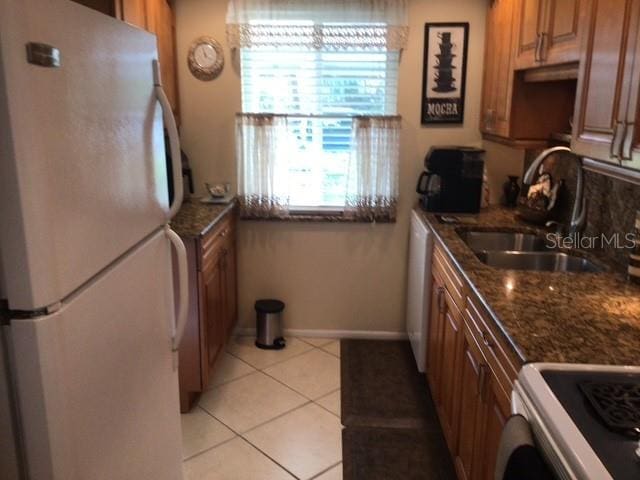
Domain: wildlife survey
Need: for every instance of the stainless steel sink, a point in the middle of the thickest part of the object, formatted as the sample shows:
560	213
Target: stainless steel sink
539	261
503	241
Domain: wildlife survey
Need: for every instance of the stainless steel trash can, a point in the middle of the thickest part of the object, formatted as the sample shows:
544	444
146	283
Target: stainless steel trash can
269	324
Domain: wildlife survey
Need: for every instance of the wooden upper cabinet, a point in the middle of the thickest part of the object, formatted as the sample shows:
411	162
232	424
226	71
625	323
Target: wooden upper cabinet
133	12
607	97
561	42
631	143
498	71
530	23
516	112
547	32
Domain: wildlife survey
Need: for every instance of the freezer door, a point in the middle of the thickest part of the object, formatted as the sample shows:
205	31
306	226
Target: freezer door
96	384
83	172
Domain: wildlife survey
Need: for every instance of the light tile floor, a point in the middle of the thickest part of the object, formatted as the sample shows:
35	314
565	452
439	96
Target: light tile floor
268	414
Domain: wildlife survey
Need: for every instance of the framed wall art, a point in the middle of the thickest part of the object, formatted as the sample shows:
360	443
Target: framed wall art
444	72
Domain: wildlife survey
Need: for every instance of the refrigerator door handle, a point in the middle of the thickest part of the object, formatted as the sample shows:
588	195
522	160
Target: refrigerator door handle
174	141
183	286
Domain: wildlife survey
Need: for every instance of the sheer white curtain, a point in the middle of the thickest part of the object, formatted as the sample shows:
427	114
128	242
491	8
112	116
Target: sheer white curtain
264	143
262	149
318	24
372	185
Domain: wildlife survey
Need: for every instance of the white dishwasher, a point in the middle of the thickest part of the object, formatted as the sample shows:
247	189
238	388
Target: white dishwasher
419	287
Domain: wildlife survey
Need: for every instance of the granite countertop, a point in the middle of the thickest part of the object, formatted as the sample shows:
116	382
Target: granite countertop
549	316
196	218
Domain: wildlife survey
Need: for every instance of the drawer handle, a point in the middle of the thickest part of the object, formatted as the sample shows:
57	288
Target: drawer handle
482	381
487	341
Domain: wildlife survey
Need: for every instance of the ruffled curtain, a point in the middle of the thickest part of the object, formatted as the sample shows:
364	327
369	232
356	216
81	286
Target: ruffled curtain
263	165
318	24
372	185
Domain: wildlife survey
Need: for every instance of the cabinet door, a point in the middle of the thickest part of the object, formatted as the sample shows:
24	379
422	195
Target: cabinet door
498	75
231	287
560	42
474	371
530	18
434	338
496	412
133	12
630	149
212	311
450	368
598	128
160	20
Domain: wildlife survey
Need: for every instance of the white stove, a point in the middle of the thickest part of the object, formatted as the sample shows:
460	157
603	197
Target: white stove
585	418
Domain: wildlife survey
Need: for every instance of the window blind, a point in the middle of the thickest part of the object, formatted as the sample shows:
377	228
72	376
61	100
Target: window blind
297	81
320	92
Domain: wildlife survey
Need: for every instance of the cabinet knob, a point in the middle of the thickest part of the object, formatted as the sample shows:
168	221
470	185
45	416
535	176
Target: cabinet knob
483	370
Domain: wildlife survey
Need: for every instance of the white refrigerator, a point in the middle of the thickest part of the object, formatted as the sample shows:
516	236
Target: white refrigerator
90	325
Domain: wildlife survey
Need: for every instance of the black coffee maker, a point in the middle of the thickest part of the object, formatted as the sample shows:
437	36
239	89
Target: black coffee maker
452	180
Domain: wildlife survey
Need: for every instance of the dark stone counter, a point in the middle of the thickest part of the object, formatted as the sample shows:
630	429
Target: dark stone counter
549	316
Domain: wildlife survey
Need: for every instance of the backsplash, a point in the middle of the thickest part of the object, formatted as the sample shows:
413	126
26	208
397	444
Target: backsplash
611	206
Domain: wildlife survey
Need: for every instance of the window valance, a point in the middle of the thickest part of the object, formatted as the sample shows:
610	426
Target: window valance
320	25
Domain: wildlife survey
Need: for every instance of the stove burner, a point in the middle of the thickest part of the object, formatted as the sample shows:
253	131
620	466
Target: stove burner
617	404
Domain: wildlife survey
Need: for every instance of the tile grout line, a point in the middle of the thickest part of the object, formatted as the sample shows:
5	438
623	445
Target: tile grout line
325	471
279	361
269	457
325	408
235	435
230	380
242	436
310	402
296	391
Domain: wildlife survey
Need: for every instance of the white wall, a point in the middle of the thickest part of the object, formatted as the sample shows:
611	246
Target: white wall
331	276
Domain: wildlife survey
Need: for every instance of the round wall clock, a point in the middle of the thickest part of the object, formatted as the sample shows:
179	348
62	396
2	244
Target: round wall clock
205	58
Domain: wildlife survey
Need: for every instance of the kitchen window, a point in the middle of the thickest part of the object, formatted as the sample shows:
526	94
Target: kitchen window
318	133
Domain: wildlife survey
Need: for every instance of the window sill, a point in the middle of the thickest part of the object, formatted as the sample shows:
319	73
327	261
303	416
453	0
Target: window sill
316	217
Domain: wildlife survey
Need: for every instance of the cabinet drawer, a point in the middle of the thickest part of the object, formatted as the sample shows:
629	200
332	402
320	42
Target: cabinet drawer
213	242
449	275
495	353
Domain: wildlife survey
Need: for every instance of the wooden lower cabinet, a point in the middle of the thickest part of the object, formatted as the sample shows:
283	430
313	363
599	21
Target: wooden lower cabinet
434	335
451	342
473	370
470	375
495	412
212	307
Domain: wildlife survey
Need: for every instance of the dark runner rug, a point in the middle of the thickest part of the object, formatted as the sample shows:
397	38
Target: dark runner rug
374	453
381	386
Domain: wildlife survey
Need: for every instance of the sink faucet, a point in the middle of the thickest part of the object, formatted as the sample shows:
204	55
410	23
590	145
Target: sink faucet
579	213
